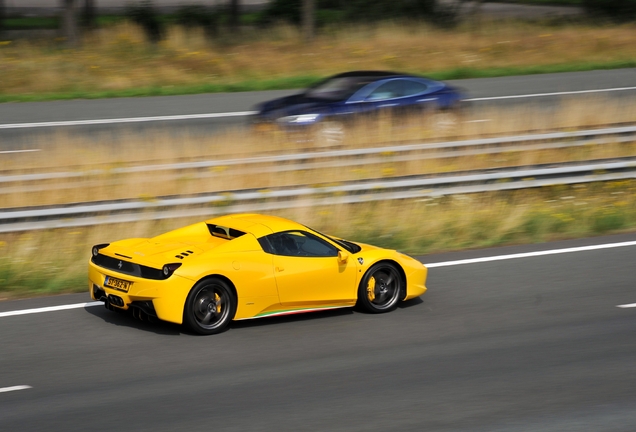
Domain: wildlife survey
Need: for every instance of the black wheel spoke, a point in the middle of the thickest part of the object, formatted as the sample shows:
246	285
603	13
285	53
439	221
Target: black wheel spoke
386	288
211	305
379	297
206	318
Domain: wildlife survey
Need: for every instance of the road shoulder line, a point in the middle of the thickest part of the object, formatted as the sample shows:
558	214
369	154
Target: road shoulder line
531	254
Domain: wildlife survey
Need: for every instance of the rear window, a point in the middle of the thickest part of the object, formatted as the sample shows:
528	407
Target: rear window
224	232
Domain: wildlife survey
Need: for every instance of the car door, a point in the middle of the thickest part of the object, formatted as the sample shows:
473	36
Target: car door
308	271
417	96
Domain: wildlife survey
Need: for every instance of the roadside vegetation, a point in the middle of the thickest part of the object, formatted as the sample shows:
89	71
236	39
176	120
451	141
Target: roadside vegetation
56	259
118	60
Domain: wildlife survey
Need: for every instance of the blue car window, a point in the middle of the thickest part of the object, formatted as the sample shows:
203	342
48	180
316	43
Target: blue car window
412	88
388	90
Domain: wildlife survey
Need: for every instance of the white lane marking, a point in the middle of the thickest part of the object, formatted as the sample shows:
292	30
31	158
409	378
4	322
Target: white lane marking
14	388
631	305
19	151
550	94
530	254
432	265
126	120
50	309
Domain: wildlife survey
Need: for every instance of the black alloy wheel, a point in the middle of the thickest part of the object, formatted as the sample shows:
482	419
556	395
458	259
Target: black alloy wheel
381	288
210	307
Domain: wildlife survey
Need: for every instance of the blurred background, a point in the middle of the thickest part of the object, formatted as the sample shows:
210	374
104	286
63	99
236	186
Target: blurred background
125	119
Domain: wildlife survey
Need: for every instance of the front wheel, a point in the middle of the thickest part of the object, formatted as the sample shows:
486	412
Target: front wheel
380	289
210	307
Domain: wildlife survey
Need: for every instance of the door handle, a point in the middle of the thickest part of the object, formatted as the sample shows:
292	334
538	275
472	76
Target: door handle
279	269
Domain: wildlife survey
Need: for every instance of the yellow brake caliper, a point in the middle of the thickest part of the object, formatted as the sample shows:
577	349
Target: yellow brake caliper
371	289
217	300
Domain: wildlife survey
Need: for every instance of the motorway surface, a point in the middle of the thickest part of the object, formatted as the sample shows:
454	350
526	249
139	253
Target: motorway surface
535	343
33	122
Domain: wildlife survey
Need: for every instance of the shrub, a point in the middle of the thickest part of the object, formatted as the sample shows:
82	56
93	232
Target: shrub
618	10
144	14
608	220
362	10
198	16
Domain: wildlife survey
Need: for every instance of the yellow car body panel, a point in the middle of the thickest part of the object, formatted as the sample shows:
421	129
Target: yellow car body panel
265	283
316	281
168	297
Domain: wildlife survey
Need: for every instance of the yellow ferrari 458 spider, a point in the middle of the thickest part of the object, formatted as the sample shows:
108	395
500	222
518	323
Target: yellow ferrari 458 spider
247	266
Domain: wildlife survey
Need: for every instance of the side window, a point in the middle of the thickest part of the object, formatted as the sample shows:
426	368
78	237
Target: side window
389	90
413	87
297	243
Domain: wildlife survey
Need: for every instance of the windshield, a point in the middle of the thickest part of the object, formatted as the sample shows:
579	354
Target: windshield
346	245
337	89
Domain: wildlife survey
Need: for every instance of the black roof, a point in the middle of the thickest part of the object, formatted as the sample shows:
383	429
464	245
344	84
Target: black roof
374	73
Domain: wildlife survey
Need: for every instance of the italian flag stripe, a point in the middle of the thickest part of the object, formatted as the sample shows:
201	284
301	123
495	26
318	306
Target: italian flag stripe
294	311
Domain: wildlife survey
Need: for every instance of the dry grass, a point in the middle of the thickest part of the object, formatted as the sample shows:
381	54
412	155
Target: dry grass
118	58
68	153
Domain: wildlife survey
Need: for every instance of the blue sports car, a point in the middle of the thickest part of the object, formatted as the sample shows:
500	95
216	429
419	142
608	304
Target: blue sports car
326	106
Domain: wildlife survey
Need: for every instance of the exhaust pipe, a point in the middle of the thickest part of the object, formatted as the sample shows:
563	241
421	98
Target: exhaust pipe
107	304
114	300
139	314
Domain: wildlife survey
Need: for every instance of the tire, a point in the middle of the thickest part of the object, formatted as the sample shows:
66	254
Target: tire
380	289
210	306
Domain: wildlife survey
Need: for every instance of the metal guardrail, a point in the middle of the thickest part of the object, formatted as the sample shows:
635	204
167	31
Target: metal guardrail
353	157
352	192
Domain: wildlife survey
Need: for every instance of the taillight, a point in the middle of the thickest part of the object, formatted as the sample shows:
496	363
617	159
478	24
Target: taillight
96	248
168	269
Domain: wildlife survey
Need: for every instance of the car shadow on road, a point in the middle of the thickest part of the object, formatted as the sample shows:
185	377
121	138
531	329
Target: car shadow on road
410	303
125	319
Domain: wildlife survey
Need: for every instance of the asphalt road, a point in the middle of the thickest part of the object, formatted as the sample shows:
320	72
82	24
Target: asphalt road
527	344
21	123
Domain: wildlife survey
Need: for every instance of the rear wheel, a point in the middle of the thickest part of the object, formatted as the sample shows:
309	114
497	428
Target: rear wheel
380	289
210	306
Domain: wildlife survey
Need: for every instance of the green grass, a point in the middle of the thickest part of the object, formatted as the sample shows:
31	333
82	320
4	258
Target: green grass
295	82
31	23
51	23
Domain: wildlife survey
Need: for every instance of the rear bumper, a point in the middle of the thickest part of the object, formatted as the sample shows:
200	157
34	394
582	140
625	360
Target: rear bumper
164	299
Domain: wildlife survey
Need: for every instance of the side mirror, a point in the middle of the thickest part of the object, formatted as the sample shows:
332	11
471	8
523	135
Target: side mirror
342	256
